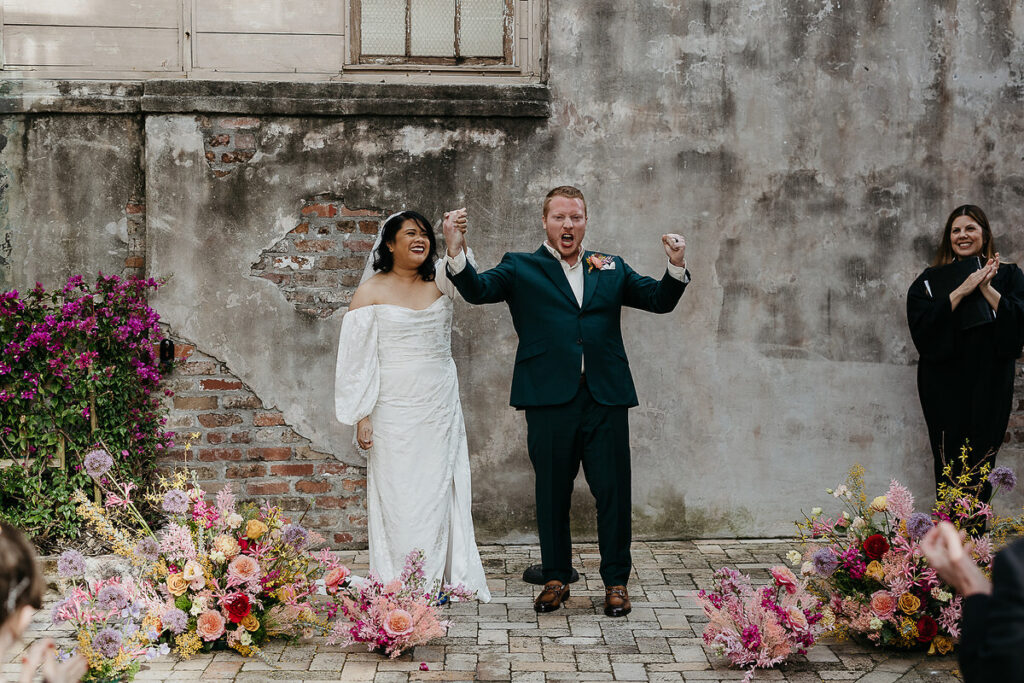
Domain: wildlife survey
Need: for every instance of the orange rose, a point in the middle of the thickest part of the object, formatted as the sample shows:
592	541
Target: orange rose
227	545
254	528
177	584
250	622
909	603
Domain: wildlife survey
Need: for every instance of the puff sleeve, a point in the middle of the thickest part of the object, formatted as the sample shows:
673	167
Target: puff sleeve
357	374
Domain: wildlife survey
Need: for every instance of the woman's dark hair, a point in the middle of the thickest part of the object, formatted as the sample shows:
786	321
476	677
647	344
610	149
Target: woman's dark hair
20	581
988	248
384	261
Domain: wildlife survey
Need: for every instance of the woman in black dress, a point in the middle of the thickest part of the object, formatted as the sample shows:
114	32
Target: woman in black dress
969	330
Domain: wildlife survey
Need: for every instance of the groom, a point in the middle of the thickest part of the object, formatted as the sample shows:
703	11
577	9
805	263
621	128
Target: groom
571	376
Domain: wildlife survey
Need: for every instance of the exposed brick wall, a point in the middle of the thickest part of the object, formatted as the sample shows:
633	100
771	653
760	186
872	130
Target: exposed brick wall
319	262
135	259
228	141
245	443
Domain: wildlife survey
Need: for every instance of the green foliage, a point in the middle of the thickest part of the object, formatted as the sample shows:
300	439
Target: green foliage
79	371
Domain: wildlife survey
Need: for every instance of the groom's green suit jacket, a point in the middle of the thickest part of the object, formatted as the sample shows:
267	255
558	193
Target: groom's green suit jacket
556	335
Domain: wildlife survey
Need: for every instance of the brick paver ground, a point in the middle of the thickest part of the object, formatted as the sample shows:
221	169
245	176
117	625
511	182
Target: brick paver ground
505	640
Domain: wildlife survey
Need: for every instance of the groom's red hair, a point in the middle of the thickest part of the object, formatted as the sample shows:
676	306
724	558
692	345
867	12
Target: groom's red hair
567	191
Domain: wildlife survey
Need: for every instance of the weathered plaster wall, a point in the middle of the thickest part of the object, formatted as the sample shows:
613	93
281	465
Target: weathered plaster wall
809	150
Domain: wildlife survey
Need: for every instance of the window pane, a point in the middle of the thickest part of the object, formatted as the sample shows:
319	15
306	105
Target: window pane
433	28
383	27
482	28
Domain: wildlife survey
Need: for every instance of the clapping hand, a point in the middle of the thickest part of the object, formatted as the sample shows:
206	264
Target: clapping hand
980	279
946	555
675	248
41	656
455	231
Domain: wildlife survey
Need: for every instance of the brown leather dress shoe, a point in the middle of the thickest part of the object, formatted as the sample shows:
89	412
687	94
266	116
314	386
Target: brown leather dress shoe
616	601
552	597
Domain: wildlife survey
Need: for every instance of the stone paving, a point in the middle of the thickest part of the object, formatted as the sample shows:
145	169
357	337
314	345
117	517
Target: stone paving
505	640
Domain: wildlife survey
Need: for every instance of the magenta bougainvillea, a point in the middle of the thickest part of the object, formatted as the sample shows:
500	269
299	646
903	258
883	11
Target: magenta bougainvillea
79	368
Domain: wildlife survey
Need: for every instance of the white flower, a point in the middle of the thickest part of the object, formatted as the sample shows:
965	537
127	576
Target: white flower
941	595
807	569
245	638
794	557
875	623
858	522
815	511
841	491
198	606
234	520
218	557
846	515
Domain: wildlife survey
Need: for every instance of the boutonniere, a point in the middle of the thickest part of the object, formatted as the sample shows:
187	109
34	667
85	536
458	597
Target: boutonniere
601	262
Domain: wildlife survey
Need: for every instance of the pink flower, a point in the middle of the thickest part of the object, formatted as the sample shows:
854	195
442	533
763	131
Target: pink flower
335	578
244	568
210	625
784	577
796	618
398	623
424	667
883	604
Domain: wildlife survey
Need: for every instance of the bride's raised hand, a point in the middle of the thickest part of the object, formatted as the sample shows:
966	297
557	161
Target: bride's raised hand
364	433
455	231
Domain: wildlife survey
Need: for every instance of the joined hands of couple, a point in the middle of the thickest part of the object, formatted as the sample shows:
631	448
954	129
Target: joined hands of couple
981	280
455	224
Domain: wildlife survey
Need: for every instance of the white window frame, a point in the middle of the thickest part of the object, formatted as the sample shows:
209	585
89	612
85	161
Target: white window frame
523	62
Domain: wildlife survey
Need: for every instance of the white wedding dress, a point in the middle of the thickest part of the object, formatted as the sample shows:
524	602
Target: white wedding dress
395	365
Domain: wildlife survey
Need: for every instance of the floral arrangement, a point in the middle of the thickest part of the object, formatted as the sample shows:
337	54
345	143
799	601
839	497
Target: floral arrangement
393	617
114	620
223	574
759	628
867	563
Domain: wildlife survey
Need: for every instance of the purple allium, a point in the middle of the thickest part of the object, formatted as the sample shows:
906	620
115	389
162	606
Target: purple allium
825	562
71	563
148	549
175	620
918	525
1003	477
97	463
176	502
112	596
294	535
107	642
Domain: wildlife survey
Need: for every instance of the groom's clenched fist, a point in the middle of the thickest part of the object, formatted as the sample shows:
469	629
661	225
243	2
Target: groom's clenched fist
455	231
675	247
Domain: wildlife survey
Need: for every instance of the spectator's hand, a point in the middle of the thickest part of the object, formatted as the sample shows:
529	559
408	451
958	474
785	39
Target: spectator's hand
946	555
42	656
675	248
454	227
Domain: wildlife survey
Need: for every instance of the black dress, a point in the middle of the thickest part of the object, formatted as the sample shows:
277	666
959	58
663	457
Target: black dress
965	377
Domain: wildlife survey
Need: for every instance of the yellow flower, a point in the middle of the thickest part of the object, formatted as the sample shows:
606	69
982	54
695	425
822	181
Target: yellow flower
943	644
879	504
250	622
874	570
909	603
177	584
254	528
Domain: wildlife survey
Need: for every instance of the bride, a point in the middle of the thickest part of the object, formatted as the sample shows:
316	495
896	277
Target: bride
396	381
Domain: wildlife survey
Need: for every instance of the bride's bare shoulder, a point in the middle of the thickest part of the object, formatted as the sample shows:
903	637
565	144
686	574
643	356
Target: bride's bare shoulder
368	293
